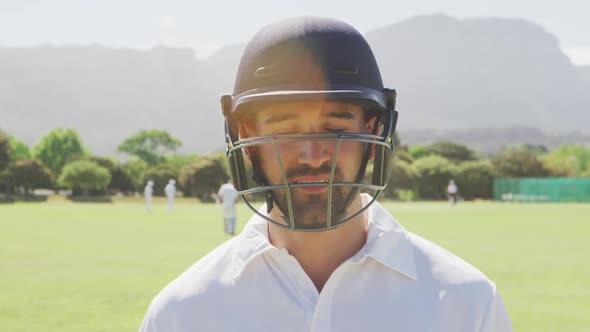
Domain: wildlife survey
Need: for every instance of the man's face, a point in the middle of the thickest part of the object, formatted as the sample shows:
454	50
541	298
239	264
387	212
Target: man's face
309	161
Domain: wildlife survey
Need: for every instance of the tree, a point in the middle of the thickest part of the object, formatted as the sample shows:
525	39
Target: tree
203	178
181	160
515	163
573	160
475	179
418	151
560	166
434	173
454	152
31	174
21	150
150	145
136	169
84	174
161	174
121	180
5	151
535	149
57	148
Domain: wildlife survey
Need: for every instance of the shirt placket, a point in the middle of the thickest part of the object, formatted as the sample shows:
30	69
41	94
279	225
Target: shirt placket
304	286
322	316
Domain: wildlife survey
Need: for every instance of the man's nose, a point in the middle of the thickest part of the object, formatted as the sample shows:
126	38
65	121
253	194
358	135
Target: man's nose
313	153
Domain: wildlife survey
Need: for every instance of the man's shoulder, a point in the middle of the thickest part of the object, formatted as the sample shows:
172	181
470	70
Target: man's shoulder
439	266
459	286
198	286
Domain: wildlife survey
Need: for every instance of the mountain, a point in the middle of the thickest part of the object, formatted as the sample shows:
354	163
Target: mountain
107	95
480	72
489	140
449	74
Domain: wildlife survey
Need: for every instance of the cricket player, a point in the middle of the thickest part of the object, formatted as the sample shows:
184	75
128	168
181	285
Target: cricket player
170	191
148	191
309	114
452	192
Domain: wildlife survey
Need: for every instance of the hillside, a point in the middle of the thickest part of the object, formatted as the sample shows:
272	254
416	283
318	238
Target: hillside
449	73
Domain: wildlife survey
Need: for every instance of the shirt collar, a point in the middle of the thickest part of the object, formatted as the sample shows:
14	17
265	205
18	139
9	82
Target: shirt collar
387	242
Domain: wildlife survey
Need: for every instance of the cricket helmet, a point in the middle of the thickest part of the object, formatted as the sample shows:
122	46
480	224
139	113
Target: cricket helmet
300	59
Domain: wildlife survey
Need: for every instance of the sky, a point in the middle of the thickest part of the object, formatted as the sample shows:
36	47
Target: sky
205	26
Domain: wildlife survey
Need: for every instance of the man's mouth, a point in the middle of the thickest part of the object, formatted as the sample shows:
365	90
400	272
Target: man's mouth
321	181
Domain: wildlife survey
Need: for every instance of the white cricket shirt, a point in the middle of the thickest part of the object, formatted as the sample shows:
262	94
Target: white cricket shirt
396	282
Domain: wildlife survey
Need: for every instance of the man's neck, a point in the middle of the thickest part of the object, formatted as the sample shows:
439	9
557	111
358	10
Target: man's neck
320	253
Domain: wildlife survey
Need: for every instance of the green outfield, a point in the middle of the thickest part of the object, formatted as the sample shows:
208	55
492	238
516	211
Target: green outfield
95	267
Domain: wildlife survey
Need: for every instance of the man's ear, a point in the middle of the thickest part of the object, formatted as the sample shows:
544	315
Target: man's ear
371	124
246	131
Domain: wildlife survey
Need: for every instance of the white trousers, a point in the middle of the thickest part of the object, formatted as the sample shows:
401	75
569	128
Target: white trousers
229	219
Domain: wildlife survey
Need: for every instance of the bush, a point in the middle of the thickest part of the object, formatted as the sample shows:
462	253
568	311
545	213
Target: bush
418	151
6	184
30	175
136	169
121	181
403	177
403	155
515	163
475	179
32	198
406	195
161	174
560	166
434	173
203	178
567	161
6	199
579	152
85	175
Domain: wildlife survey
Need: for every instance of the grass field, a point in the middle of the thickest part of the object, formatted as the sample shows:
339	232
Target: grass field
95	267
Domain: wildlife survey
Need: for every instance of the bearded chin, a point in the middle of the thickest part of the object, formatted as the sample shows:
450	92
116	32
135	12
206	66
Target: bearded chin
310	211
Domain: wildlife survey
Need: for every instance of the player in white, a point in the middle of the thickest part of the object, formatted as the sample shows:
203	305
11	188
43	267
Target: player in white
148	191
309	115
170	190
228	195
452	192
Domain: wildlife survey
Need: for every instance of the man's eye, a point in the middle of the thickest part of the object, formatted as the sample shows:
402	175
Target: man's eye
281	130
335	130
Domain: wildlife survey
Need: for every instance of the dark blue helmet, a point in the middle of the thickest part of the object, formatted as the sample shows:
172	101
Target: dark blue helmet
309	58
